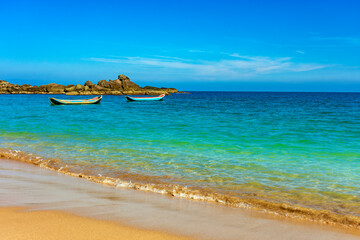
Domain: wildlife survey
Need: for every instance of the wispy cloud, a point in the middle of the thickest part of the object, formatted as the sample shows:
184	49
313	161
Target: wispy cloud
231	67
300	52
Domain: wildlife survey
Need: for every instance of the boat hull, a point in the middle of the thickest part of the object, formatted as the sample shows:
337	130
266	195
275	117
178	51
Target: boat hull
157	98
95	100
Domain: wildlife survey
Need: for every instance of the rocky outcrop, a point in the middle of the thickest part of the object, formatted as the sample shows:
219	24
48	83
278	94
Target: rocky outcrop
88	83
120	86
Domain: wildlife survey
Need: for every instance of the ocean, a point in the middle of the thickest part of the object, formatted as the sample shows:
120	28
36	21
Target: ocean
294	154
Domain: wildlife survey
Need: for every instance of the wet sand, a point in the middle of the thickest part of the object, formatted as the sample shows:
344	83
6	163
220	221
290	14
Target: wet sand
157	184
42	190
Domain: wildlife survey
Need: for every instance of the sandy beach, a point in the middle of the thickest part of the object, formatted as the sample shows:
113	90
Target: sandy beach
209	120
38	203
18	223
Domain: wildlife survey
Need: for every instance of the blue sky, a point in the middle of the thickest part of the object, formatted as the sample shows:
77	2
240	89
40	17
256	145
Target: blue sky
192	45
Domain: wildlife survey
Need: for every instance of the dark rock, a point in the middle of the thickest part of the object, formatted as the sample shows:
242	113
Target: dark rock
103	83
5	87
73	93
122	85
128	85
151	88
55	88
70	88
171	90
43	88
122	77
116	85
98	88
79	87
88	83
86	92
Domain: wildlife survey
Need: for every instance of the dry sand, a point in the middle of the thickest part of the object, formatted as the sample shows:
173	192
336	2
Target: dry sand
17	223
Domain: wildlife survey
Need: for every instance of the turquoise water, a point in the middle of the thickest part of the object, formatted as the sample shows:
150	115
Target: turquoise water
301	148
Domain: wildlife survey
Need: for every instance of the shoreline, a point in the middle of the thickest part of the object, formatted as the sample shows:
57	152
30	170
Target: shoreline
36	189
279	210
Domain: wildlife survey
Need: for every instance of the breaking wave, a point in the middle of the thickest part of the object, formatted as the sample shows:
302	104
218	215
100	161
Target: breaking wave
164	186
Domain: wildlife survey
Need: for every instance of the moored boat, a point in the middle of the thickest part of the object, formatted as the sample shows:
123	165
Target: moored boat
156	98
95	100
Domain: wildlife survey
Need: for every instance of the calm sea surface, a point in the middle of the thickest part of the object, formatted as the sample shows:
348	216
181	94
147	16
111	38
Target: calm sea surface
301	148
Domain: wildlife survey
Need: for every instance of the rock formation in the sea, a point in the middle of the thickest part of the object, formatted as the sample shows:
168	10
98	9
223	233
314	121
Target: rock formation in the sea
120	86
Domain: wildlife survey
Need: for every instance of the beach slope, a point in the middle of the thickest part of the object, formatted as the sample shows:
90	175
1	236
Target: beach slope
17	223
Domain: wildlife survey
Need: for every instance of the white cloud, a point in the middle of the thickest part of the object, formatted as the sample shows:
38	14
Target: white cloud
301	52
231	67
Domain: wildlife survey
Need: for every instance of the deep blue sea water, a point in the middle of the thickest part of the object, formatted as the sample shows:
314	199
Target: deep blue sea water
301	148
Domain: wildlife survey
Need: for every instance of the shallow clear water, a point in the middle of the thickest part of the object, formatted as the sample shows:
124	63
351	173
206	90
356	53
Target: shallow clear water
301	148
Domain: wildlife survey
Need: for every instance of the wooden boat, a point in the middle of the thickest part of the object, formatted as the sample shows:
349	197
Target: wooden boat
95	100
156	98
